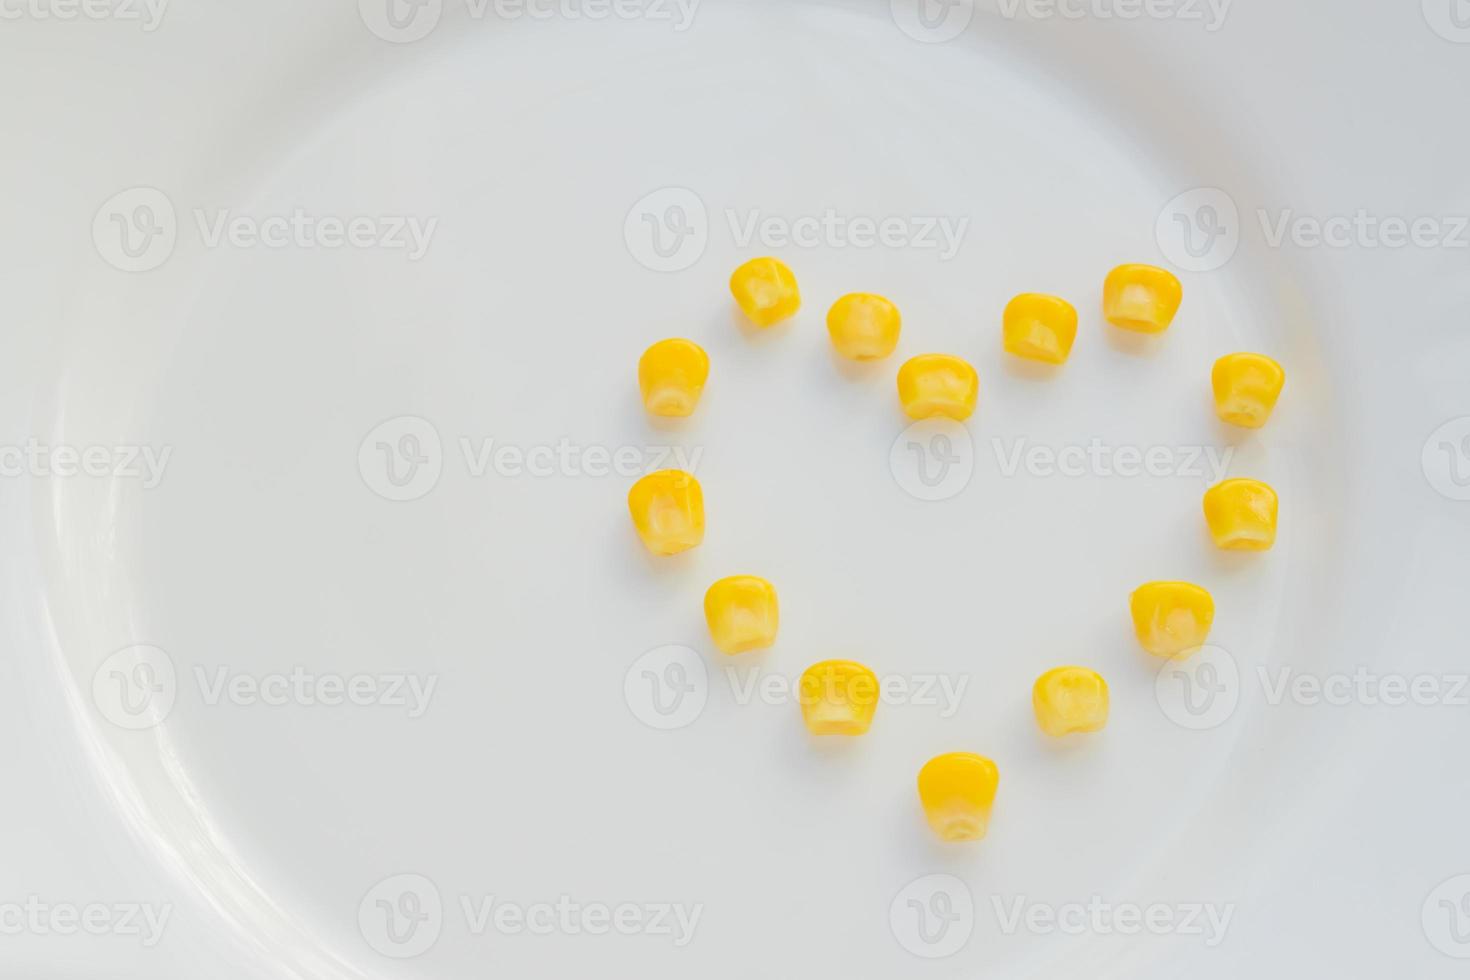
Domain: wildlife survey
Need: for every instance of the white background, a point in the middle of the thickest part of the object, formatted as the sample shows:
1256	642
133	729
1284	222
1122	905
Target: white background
537	146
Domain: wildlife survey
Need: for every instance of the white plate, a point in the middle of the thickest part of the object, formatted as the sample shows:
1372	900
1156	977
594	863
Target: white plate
581	185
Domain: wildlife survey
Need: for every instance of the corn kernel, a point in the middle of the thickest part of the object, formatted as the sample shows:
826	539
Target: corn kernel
938	384
1142	298
1039	327
1171	617
1070	699
1241	515
766	290
957	790
742	613
668	511
671	375
863	326
1246	388
838	697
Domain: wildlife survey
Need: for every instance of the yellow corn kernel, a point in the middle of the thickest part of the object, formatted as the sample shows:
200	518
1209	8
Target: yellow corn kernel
1246	388
938	384
956	790
668	511
863	326
671	375
1039	327
742	613
1142	298
1070	699
1241	515
838	697
766	290
1171	617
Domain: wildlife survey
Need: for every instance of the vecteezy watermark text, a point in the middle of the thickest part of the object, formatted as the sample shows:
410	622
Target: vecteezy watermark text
307	689
148	14
668	687
404	915
1363	686
37	459
934	917
1200	230
299	228
1208	921
1099	459
941	691
568	917
1363	229
136	230
668	230
406	21
934	460
403	458
138	686
1202	689
1210	13
942	234
135	920
569	459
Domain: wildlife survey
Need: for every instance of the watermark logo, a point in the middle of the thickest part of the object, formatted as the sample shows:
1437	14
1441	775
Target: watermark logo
1199	689
1446	917
1446	459
148	14
401	916
134	920
135	688
1203	689
932	21
1450	19
933	459
1199	231
401	459
401	21
933	916
667	687
135	230
667	230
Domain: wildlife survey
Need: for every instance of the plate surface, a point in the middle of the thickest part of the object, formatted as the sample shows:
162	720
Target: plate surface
339	658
